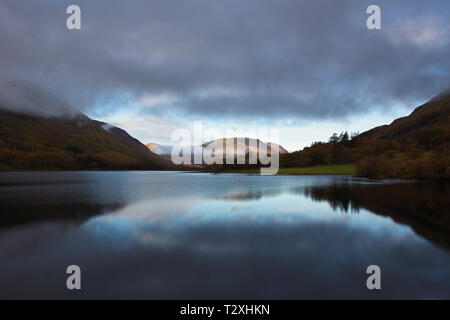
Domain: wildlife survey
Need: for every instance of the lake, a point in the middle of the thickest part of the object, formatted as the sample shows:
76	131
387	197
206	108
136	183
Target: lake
181	235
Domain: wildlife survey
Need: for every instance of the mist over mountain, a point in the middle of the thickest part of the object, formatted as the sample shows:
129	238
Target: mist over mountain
39	131
159	149
27	98
250	145
220	145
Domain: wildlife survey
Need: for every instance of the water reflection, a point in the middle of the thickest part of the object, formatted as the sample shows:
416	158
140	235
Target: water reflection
189	236
250	195
423	206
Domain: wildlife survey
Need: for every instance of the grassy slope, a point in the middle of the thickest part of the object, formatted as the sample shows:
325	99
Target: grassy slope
343	169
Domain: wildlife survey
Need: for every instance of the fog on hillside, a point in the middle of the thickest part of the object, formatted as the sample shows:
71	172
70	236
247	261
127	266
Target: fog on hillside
30	99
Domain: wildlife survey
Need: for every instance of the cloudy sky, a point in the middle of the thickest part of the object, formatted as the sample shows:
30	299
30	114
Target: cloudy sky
307	67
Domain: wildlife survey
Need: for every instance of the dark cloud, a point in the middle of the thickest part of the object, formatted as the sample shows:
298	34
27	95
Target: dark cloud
309	59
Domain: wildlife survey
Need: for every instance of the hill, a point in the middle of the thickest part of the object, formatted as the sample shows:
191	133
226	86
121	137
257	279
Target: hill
416	146
432	117
65	141
161	150
250	145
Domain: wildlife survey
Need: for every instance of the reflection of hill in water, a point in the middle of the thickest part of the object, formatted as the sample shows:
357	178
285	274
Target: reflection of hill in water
341	199
425	207
422	206
14	214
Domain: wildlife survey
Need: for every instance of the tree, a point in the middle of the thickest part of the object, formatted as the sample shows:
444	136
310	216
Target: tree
334	139
354	135
343	138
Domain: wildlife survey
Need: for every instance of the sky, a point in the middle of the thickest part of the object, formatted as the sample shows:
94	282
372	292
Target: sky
307	68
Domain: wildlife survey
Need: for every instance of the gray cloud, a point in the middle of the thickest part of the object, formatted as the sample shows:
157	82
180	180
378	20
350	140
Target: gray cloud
261	58
26	97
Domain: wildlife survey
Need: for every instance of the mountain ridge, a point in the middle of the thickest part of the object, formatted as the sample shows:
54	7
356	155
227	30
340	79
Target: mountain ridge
413	147
434	114
248	145
49	134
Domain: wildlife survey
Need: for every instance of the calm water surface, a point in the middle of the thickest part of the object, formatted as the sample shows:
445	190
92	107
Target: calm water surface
184	235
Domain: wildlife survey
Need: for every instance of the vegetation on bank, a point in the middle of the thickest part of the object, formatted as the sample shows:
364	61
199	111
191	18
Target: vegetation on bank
380	158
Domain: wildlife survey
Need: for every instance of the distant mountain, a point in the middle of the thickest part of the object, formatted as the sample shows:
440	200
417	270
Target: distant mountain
280	148
161	150
251	145
62	138
166	150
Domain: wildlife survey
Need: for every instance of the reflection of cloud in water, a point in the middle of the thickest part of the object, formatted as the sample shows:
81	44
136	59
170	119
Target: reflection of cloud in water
192	238
250	195
228	260
156	223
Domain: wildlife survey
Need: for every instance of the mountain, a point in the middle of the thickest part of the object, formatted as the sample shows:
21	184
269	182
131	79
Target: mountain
415	147
251	145
166	150
62	138
432	116
161	150
280	148
197	152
